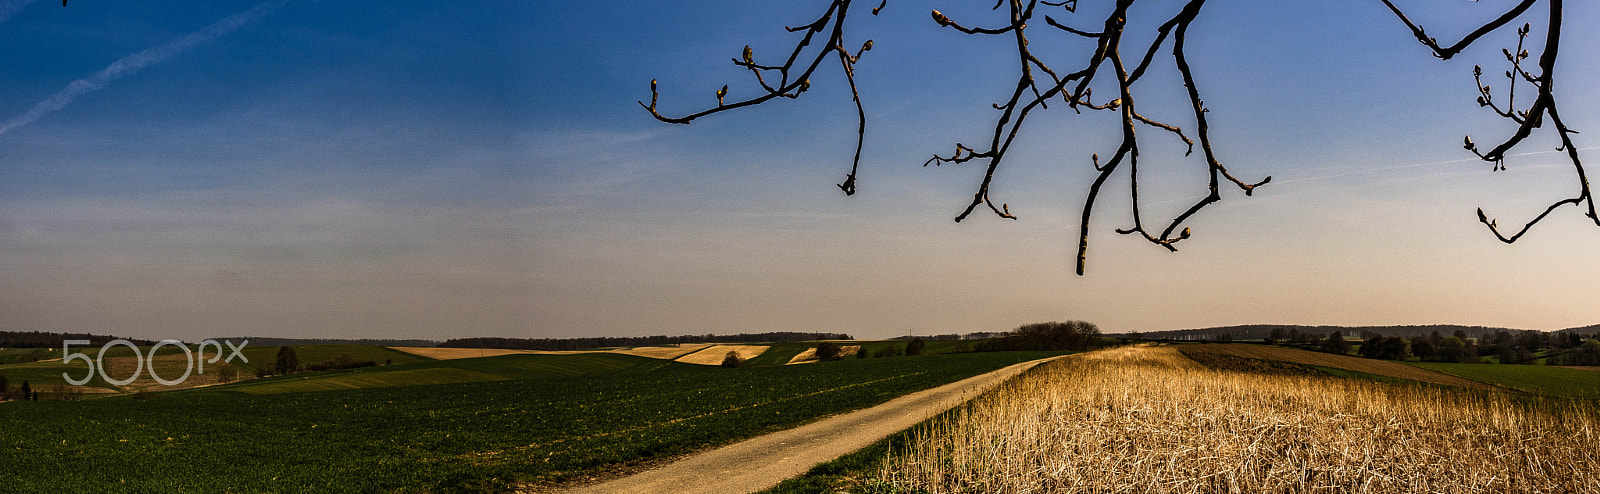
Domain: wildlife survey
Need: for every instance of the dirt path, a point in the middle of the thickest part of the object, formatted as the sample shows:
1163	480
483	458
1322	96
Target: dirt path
762	462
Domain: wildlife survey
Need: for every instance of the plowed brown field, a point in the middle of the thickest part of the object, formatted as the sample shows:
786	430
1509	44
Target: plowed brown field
1304	357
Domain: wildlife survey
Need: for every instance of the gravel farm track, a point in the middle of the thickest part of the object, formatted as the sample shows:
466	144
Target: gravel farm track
762	462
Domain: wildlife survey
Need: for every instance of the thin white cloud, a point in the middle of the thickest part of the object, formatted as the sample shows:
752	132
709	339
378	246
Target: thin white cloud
9	8
134	63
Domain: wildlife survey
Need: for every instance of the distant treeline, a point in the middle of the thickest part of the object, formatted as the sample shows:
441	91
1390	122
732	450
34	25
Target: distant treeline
265	341
39	339
1069	335
1264	331
587	343
983	335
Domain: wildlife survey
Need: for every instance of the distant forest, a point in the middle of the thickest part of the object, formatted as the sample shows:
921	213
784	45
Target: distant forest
1264	331
266	341
39	339
587	343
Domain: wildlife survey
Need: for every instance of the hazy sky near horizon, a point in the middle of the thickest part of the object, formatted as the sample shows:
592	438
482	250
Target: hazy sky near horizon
409	169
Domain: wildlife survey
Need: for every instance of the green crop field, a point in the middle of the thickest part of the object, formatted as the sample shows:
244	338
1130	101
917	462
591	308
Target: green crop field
463	436
501	368
47	374
310	354
1537	379
779	354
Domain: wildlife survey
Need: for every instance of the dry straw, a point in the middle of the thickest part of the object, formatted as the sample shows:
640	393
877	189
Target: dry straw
1149	420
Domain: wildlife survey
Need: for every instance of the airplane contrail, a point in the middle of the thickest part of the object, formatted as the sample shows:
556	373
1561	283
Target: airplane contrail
9	8
135	62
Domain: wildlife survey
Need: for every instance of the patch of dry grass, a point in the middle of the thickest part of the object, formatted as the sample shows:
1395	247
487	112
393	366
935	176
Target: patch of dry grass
170	367
713	355
1148	419
810	355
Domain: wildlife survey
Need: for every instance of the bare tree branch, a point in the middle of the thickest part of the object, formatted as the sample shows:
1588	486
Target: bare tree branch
1544	103
1038	84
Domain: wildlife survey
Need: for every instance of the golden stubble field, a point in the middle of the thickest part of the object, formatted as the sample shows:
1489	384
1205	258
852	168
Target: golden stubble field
1147	419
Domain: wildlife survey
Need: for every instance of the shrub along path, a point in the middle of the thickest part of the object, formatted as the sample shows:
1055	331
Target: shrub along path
764	461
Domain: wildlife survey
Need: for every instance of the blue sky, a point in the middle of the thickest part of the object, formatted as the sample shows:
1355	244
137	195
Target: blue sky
427	170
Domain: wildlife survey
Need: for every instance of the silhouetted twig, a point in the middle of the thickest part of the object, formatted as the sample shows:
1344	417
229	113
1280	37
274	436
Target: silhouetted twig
1039	84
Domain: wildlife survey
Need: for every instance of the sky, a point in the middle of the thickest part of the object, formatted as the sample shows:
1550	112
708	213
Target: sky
317	169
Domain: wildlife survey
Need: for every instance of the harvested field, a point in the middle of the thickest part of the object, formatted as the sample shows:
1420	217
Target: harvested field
657	352
169	367
810	355
1303	357
663	352
1147	419
714	354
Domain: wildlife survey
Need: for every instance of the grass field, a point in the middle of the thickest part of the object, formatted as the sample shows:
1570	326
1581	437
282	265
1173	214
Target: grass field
464	436
169	364
1536	379
263	355
1147	419
502	368
780	353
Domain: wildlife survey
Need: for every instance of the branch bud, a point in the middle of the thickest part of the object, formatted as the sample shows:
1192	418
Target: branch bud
720	93
867	46
940	18
1466	143
1477	70
749	55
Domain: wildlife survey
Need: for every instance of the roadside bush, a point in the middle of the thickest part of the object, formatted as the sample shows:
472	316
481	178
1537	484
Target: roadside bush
227	373
861	352
916	346
888	351
732	360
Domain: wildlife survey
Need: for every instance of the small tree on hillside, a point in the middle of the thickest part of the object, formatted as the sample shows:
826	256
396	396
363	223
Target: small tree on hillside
731	360
4	386
861	352
827	351
1336	344
227	373
1451	349
916	347
287	361
27	391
